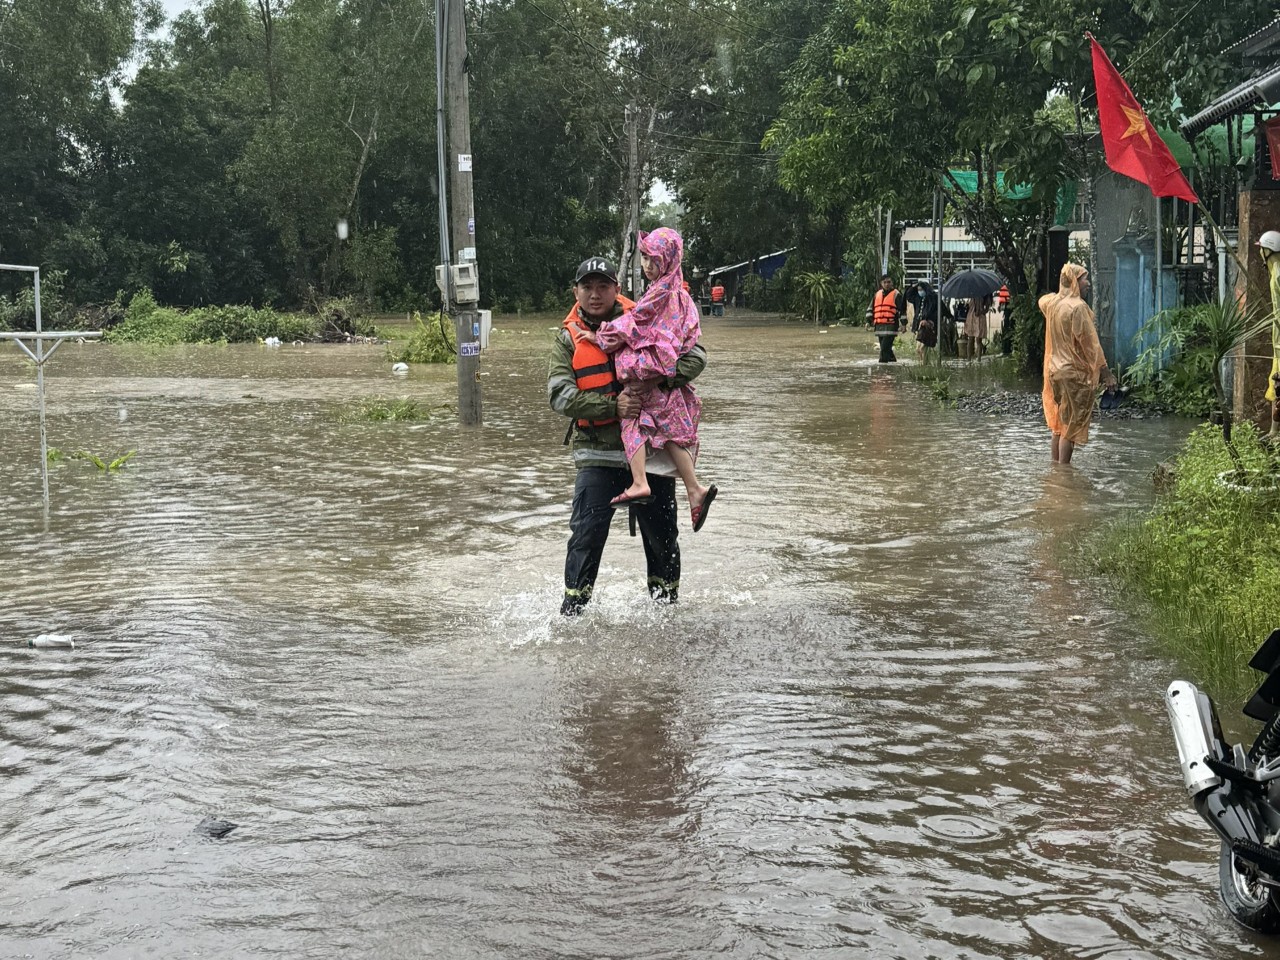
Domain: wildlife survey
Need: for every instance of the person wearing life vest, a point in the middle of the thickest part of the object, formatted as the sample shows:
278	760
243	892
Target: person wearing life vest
717	300
886	317
582	385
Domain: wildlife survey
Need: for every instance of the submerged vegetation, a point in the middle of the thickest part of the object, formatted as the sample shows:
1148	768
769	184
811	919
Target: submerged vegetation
938	379
430	342
1207	558
146	321
104	465
380	409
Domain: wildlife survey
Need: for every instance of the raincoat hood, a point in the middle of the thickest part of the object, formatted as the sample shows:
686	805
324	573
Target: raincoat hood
666	247
666	296
1069	281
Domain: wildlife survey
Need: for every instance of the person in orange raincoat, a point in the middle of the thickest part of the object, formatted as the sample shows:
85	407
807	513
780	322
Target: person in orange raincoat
1073	362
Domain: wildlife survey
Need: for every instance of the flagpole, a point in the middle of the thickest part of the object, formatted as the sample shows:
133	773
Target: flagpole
1222	237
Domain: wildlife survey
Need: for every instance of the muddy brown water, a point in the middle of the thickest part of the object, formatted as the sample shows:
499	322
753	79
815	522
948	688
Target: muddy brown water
886	719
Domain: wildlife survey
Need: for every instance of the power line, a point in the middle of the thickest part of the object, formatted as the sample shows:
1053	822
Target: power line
682	136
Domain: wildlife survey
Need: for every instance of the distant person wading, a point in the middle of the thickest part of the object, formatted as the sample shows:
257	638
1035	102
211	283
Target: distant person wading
886	317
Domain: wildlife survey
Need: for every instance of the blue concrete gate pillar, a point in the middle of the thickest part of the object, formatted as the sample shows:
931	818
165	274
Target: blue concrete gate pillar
1135	294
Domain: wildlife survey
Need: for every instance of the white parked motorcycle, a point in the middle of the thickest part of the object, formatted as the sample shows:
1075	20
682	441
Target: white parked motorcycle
1237	792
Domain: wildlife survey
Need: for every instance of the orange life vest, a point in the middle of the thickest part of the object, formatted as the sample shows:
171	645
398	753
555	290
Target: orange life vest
1003	295
717	294
886	307
592	367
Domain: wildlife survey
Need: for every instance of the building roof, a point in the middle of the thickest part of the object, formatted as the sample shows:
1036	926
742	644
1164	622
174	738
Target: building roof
1258	43
1263	89
746	263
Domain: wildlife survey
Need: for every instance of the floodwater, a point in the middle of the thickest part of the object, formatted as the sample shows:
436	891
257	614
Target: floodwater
886	719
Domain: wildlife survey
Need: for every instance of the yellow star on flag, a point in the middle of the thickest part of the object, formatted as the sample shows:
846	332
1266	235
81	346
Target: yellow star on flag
1137	124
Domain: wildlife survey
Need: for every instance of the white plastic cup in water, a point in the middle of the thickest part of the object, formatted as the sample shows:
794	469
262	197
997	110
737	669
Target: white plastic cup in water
52	640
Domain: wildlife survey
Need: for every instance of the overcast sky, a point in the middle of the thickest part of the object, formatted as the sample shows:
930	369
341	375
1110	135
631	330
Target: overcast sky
174	7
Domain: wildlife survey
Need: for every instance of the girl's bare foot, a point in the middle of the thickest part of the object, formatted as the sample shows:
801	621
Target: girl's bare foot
696	496
636	493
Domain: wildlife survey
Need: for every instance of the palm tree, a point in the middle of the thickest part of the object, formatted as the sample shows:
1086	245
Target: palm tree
819	289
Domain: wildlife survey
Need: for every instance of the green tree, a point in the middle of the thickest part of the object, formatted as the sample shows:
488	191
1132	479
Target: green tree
735	206
58	61
889	97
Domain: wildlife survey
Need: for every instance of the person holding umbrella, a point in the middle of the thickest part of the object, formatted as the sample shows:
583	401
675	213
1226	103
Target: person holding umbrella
975	288
887	309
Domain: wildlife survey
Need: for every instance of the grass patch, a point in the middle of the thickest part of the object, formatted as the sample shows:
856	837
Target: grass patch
430	341
939	380
1205	560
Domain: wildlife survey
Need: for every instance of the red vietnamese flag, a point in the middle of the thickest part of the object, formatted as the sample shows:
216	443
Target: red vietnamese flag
1131	143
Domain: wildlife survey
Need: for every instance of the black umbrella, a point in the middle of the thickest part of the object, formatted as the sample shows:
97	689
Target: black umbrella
971	283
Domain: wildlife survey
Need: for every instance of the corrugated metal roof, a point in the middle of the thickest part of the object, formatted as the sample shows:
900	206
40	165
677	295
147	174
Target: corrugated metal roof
1256	41
1264	89
747	263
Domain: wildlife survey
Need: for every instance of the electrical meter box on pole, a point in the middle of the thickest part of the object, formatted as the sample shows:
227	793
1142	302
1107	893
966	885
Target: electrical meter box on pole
466	282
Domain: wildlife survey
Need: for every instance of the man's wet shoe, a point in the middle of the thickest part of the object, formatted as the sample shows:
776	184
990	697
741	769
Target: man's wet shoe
572	606
662	593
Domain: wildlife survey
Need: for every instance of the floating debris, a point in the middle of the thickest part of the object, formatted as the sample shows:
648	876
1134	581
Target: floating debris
214	828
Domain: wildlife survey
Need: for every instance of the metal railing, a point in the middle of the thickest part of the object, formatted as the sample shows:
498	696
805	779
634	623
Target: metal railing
37	352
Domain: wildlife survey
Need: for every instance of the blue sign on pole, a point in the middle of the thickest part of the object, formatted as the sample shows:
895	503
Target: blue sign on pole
471	349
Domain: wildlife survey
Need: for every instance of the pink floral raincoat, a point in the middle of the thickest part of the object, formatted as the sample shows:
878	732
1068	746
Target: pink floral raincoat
646	342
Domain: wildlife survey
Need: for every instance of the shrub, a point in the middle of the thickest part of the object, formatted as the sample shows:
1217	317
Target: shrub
753	289
338	319
1206	557
145	321
851	300
18	312
430	342
245	324
816	291
1180	365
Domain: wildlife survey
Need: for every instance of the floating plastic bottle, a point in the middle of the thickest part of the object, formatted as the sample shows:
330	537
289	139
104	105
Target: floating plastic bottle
52	640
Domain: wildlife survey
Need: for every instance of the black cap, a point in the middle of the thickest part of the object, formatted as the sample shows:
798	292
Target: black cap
596	265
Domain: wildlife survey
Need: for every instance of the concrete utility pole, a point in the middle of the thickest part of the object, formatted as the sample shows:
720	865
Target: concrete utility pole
633	194
466	316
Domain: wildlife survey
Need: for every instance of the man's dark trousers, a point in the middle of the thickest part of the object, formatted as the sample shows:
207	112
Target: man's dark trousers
589	526
886	341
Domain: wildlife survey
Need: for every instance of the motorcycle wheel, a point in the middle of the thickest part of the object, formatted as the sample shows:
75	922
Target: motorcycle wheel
1250	902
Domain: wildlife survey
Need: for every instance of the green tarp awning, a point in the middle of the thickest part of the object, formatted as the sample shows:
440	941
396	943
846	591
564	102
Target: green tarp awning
1066	200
